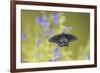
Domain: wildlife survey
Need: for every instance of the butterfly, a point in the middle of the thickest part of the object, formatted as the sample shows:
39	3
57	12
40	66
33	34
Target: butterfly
62	39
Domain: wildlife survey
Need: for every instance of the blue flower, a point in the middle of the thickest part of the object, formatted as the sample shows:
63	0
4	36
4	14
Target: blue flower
56	17
42	20
23	36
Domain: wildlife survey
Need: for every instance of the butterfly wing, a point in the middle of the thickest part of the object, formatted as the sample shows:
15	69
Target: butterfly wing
55	39
70	37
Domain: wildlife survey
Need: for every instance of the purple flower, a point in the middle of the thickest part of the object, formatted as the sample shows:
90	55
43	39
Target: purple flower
42	20
56	17
38	43
23	36
56	55
45	24
45	34
57	52
51	31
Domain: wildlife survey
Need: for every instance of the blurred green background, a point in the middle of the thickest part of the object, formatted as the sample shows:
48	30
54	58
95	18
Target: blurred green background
35	34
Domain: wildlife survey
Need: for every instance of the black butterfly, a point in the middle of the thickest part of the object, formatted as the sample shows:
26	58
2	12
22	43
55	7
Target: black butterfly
62	39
